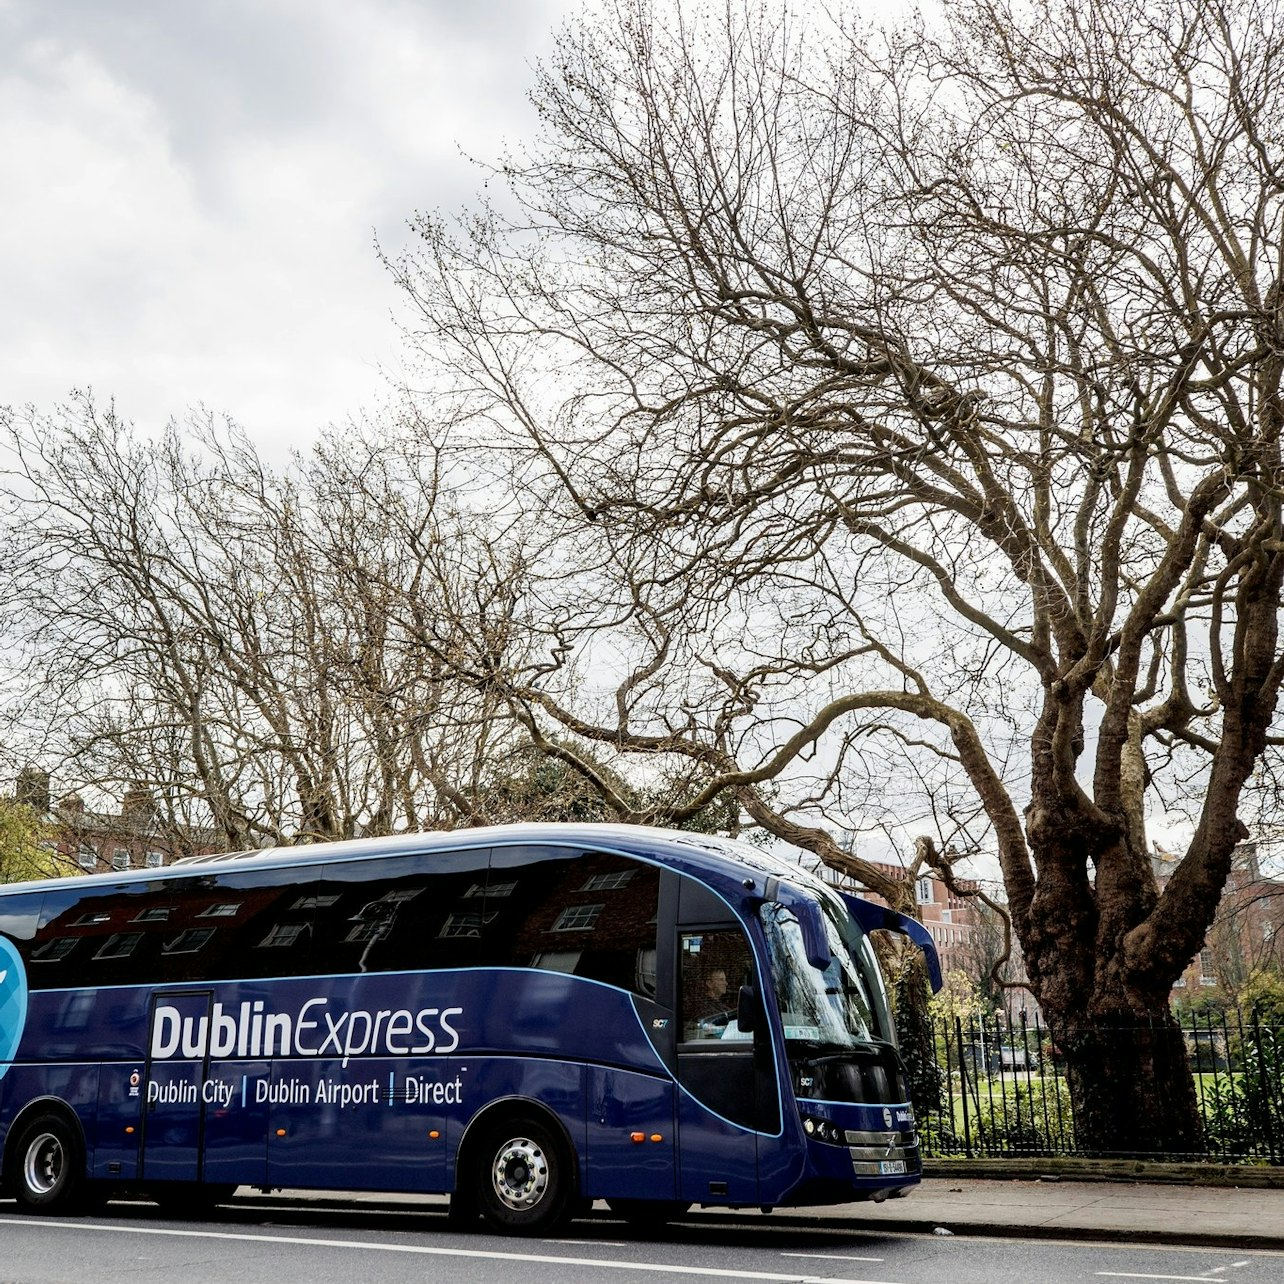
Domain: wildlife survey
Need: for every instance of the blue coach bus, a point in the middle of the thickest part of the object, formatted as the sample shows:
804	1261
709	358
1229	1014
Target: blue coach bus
526	1017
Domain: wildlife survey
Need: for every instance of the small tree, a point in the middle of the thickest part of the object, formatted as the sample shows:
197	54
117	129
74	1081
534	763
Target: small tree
26	845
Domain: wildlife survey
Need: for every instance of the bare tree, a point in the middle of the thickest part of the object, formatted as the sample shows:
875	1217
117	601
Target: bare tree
248	645
913	397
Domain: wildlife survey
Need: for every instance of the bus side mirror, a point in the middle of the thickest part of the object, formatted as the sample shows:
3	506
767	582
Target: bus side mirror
878	918
747	1009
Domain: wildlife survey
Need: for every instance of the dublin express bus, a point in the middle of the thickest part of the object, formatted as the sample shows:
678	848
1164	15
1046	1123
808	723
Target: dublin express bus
525	1017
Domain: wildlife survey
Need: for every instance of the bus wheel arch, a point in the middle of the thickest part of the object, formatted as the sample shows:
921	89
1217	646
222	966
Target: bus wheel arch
516	1168
44	1157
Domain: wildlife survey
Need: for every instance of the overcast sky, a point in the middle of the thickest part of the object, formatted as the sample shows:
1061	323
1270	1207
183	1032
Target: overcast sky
191	191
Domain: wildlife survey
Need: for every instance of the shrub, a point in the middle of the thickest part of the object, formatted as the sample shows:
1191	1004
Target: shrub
1244	1113
1025	1118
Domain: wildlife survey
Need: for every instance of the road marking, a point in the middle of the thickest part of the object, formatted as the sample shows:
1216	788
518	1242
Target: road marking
537	1259
1133	1275
597	1243
835	1257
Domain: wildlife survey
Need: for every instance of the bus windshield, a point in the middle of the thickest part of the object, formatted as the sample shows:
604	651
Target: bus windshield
838	1007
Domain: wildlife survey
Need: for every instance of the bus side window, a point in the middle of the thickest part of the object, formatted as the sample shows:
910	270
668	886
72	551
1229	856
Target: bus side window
715	964
585	913
421	912
88	937
19	918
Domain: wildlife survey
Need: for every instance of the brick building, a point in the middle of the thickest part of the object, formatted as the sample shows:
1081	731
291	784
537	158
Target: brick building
136	836
951	919
1247	933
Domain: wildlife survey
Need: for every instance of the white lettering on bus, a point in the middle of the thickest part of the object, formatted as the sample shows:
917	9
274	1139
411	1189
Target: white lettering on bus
249	1031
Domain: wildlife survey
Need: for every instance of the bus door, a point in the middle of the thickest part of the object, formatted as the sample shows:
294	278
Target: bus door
174	1085
726	1097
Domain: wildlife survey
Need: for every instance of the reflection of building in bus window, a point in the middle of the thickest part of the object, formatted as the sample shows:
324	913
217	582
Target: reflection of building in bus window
75	1011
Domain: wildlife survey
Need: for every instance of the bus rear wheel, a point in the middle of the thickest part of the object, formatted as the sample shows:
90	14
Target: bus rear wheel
522	1181
48	1165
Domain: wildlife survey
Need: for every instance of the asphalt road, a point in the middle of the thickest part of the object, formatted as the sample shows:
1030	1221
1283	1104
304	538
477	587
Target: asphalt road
276	1243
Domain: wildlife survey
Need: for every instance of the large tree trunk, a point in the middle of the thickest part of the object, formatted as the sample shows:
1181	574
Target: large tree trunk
1105	1000
1130	1084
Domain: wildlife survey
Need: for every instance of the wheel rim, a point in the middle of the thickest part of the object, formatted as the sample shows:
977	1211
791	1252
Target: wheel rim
44	1165
520	1173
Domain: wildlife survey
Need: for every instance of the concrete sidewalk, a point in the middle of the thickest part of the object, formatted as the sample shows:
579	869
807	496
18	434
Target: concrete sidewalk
1225	1216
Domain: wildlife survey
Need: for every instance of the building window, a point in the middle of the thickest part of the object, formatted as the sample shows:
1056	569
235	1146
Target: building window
155	860
76	1012
608	882
283	934
578	918
188	942
157	914
399	897
923	891
120	858
314	902
119	945
1206	972
92	917
53	950
495	890
87	858
226	910
466	925
369	931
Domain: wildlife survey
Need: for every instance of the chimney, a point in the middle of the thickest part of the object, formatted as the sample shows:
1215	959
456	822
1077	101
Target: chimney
1245	857
32	790
138	807
73	804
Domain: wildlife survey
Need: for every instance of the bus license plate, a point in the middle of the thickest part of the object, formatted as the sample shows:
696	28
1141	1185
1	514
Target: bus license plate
891	1167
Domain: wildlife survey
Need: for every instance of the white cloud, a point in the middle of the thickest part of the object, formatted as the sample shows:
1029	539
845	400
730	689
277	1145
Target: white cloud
192	192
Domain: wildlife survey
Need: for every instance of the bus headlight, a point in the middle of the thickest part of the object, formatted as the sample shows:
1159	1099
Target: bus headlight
823	1130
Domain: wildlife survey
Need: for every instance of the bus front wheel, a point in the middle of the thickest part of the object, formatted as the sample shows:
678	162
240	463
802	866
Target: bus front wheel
523	1180
48	1165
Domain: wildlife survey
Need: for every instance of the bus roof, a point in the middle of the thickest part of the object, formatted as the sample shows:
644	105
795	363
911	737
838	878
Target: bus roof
695	853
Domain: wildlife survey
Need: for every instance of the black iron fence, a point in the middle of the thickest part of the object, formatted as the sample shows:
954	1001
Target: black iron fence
1003	1091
